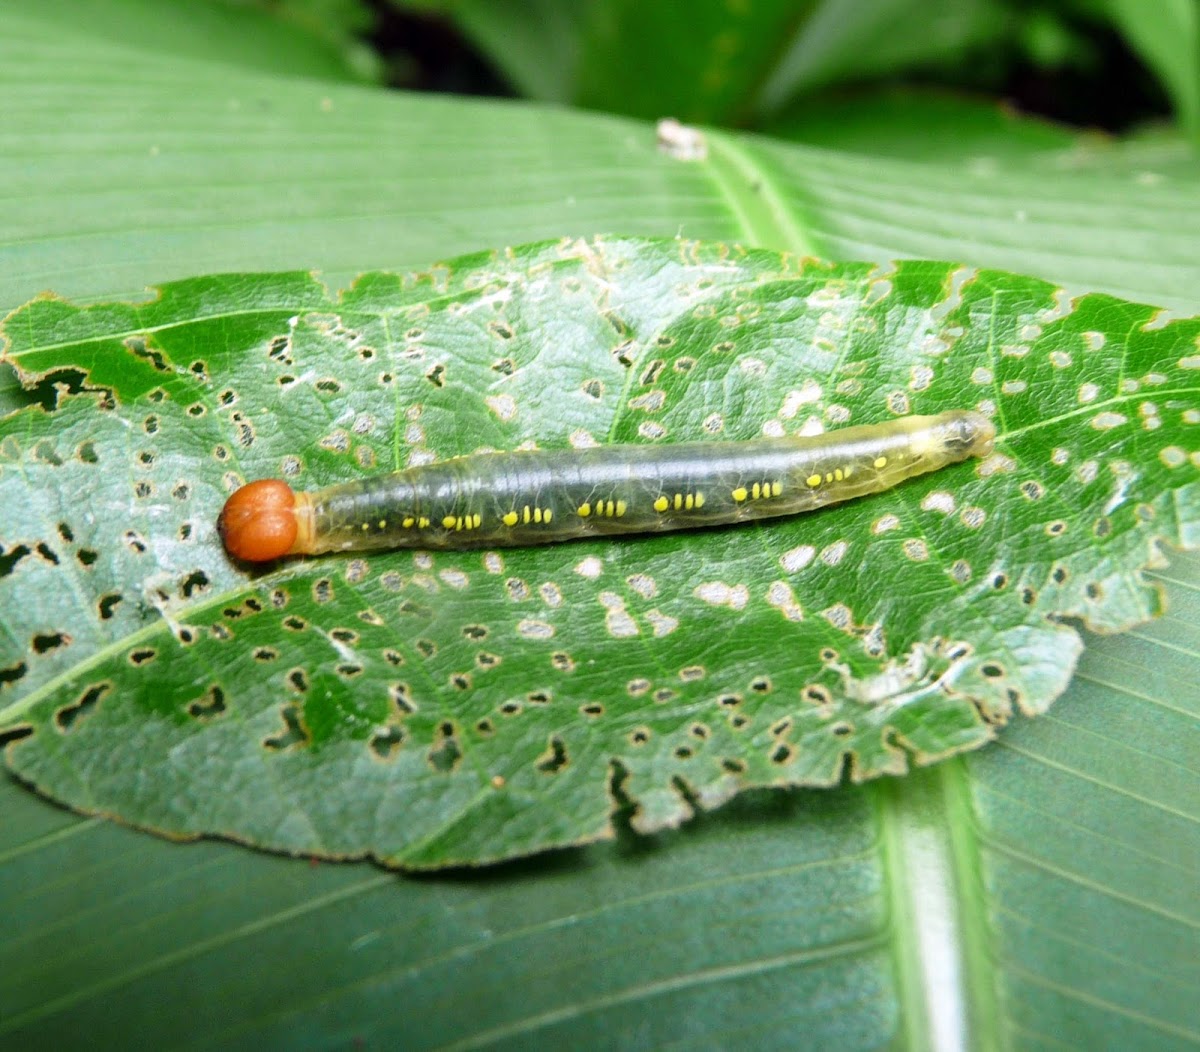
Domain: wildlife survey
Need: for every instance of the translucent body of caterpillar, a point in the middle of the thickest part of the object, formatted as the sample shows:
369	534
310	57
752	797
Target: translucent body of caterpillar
535	497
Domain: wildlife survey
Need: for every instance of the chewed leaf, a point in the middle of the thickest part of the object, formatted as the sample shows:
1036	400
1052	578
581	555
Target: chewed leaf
439	708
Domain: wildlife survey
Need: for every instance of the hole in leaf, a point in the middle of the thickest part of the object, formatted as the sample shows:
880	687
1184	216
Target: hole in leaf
50	641
992	670
652	372
44	452
65	532
402	698
782	753
733	766
69	716
816	694
107	605
141	348
12	673
293	734
555	758
209	706
14	734
445	755
386	743
10	558
47	553
195	582
436	376
298	680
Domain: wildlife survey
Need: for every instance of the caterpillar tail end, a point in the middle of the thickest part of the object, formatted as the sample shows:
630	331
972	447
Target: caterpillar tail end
264	520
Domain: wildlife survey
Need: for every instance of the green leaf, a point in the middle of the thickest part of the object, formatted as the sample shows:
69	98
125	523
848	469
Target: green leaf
1066	901
435	709
1167	36
301	44
721	64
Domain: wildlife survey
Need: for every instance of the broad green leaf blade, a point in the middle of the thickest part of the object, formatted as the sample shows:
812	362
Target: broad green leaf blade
1167	36
1023	869
466	707
243	36
847	40
198	930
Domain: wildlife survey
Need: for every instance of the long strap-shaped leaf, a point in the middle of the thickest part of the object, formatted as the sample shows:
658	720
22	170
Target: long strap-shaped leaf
431	709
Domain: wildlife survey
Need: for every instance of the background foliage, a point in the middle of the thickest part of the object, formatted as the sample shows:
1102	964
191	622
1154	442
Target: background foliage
1042	892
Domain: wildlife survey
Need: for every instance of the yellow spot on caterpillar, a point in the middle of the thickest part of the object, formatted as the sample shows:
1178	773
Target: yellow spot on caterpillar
526	515
699	500
838	474
776	488
477	520
583	511
449	521
365	526
422	522
383	524
740	494
678	501
621	506
548	515
661	504
813	480
829	476
881	462
409	522
510	518
689	502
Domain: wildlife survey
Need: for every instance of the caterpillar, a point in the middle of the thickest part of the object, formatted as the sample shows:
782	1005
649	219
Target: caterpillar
541	497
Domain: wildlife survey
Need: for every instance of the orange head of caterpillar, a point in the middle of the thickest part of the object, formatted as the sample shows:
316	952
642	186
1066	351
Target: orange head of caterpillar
258	522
